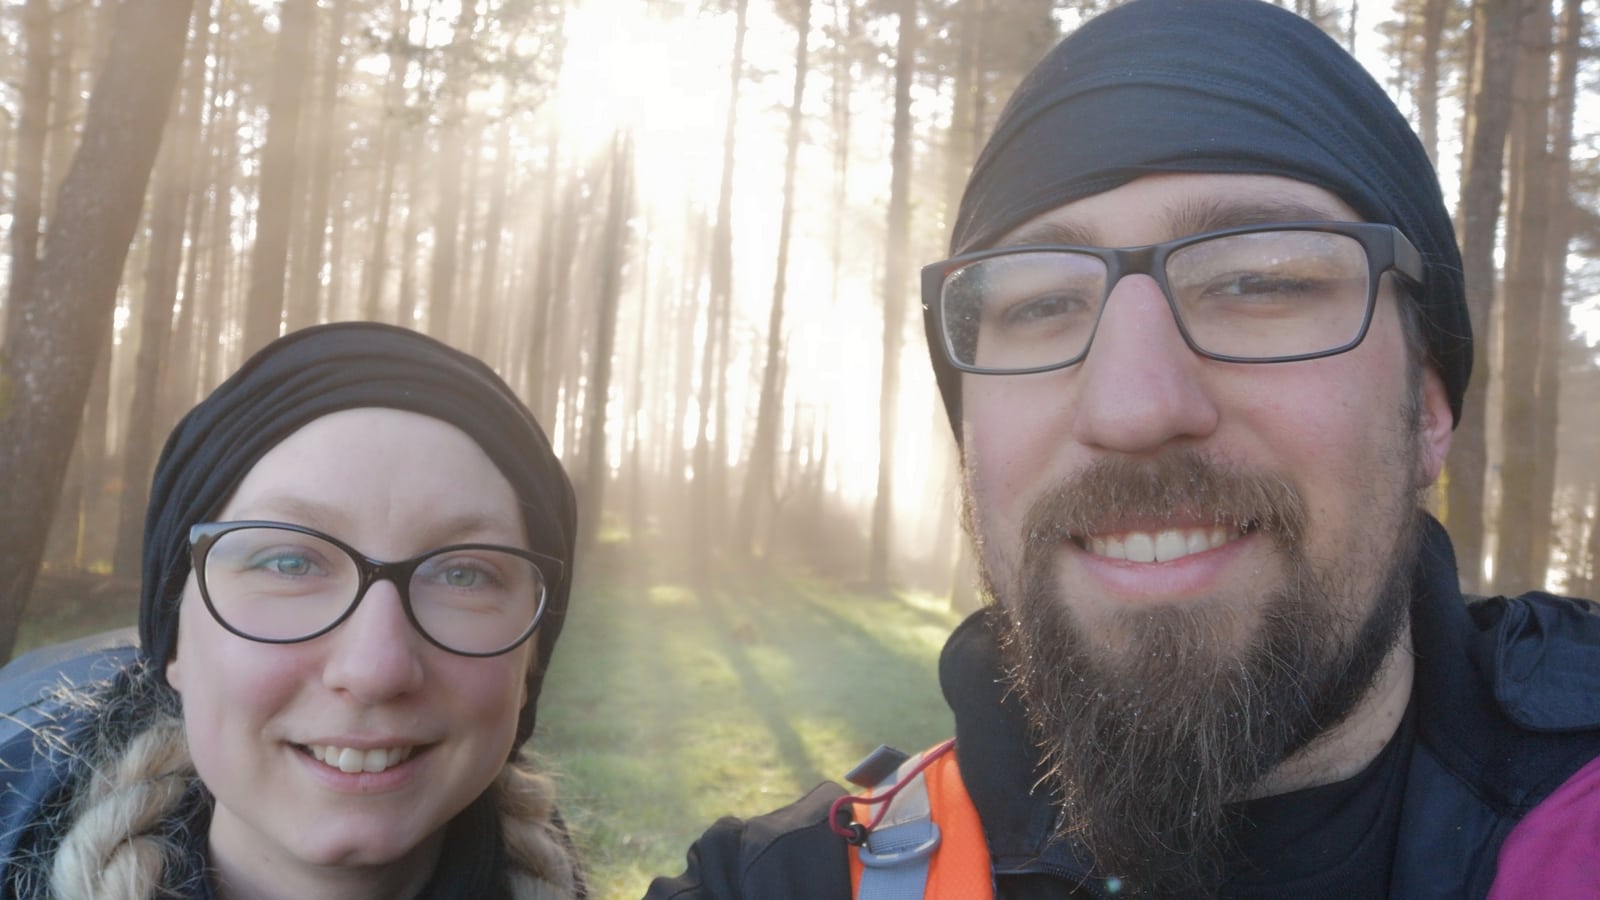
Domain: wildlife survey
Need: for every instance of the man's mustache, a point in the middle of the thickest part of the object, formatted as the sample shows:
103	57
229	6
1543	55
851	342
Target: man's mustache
1184	487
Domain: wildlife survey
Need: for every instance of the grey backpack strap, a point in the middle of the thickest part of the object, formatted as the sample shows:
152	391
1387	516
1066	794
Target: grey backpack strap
899	848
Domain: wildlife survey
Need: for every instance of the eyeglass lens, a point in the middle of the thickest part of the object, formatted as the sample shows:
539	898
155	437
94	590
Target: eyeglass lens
1255	295
280	585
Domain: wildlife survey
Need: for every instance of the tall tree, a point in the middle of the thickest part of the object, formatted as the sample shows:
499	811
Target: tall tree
538	385
1590	584
1433	20
322	153
486	317
1553	336
1489	118
32	135
1524	296
842	77
758	485
967	102
706	508
452	137
896	281
168	225
613	258
392	127
276	203
63	323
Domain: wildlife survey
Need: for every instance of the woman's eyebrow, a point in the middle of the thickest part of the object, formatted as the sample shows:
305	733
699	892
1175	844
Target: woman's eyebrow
459	528
297	510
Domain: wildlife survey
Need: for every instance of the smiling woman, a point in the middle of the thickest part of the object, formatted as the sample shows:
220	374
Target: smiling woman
357	560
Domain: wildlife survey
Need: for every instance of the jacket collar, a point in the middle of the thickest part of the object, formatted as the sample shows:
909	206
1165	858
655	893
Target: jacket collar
1506	688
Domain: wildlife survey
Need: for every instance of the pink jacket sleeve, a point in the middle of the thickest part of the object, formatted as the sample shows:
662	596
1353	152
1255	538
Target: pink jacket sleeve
1554	852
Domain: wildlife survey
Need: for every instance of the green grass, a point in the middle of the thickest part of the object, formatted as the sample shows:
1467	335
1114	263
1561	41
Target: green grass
669	705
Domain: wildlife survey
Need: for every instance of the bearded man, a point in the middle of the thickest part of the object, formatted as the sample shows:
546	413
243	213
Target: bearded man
1203	341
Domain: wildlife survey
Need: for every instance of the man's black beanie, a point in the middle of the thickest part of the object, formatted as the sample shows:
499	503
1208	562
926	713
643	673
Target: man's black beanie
311	373
1217	86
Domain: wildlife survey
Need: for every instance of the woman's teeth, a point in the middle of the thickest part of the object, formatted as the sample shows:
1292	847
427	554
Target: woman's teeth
349	759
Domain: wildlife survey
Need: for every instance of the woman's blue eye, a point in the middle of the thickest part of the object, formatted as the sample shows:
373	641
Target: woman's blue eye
289	565
462	577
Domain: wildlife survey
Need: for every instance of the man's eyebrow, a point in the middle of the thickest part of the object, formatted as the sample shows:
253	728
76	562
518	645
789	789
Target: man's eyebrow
1215	215
1050	233
1183	220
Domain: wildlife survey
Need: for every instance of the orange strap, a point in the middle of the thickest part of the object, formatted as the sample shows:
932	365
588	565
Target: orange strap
960	868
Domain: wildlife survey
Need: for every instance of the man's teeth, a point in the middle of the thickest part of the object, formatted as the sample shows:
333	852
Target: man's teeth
349	759
1161	546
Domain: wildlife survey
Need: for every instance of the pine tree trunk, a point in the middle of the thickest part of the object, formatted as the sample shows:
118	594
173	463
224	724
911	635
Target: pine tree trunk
486	318
32	137
390	134
707	506
323	147
613	259
1553	331
842	80
447	217
1481	195
896	281
540	375
1433	15
1522	300
764	447
168	226
275	210
64	323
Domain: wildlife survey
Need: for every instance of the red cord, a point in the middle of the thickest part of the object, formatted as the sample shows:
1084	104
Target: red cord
855	832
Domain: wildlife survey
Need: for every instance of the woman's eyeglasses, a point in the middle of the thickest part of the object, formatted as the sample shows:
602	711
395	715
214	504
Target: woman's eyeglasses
281	584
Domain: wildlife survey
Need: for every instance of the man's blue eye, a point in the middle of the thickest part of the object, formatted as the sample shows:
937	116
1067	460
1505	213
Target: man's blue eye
1046	307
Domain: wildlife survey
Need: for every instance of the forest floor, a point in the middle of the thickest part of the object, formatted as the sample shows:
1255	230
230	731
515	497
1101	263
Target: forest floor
672	703
66	605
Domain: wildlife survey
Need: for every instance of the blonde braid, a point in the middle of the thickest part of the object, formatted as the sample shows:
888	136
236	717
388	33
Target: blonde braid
541	866
120	840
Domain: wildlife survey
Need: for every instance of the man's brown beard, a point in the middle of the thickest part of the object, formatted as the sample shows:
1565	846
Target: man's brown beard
1147	741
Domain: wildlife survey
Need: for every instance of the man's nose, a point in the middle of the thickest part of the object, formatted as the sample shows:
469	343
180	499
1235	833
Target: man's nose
1140	387
374	656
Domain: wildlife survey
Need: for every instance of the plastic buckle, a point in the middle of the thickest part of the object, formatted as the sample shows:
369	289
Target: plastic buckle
902	844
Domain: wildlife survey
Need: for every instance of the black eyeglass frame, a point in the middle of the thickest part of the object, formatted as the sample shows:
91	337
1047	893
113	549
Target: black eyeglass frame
1387	250
369	571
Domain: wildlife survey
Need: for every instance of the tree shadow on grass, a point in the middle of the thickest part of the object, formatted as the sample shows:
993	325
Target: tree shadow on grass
861	678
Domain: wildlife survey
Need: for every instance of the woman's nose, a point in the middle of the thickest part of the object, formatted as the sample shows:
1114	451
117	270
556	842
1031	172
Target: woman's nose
375	654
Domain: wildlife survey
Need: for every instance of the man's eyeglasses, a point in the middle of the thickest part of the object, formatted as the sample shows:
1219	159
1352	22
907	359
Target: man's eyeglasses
1272	293
281	584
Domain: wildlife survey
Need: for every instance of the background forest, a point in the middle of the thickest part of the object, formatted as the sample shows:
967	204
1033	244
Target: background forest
687	233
